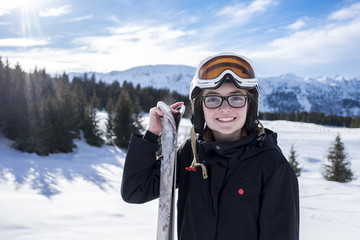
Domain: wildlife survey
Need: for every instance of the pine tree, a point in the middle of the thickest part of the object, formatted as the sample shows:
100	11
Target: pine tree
17	119
79	100
293	161
123	120
110	123
339	168
50	123
4	95
95	101
68	126
137	126
90	127
35	102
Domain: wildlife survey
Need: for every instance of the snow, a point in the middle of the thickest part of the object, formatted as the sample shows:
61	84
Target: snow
76	195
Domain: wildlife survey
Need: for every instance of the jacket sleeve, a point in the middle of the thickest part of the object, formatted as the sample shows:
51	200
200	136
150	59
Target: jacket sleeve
141	174
279	217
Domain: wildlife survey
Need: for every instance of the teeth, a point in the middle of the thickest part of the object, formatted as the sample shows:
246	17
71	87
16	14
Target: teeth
226	119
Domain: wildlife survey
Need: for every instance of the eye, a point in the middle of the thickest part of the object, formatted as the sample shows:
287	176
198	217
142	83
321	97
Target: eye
237	98
213	99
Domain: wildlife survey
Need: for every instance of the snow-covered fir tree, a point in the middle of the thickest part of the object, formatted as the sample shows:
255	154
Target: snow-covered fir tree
338	169
293	161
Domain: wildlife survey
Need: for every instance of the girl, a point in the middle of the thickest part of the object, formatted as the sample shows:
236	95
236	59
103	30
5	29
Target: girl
233	180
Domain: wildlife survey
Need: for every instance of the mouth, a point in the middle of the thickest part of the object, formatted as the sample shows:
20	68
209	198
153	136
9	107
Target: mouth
226	119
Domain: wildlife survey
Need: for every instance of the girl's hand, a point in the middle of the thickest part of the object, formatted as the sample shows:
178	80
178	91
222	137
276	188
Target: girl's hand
154	118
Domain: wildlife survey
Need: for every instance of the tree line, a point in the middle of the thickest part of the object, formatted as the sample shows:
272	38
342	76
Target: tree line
313	117
44	114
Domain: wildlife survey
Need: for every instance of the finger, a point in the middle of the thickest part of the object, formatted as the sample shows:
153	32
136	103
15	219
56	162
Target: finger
156	111
175	106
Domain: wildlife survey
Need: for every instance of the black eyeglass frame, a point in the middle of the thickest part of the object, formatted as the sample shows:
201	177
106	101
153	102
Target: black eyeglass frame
225	98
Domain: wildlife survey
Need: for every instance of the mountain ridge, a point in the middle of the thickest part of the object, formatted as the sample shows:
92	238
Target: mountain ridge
285	93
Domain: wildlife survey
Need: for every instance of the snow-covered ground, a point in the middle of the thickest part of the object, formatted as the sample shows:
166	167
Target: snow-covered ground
76	195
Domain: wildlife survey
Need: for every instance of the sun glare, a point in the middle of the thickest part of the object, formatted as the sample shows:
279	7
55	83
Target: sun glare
30	25
29	3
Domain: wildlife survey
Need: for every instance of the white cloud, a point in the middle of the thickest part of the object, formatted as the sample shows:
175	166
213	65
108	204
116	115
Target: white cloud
22	42
320	45
81	60
350	12
78	19
260	5
114	19
5	23
7	6
125	47
54	60
234	16
136	36
243	12
325	48
55	12
322	48
322	42
3	12
299	24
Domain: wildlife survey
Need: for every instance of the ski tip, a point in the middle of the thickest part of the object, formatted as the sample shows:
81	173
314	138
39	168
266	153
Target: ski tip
181	109
164	107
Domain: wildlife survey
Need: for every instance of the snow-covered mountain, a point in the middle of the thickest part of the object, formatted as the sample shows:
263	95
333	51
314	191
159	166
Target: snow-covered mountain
285	93
289	93
173	77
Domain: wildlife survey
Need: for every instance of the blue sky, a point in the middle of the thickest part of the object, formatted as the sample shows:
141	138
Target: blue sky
307	38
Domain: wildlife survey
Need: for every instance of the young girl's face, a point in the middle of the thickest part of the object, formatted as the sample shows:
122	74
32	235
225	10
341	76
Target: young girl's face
225	122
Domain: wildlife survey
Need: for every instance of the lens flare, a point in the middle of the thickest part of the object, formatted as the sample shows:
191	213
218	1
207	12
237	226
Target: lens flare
30	24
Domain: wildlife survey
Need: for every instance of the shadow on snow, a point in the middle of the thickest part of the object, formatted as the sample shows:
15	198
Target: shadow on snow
44	173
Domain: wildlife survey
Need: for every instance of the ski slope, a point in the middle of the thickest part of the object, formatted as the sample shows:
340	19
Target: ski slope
76	196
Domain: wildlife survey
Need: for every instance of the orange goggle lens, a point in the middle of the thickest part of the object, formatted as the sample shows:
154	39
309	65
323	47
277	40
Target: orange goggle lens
215	66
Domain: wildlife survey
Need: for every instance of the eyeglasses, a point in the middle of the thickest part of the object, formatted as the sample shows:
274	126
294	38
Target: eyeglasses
235	101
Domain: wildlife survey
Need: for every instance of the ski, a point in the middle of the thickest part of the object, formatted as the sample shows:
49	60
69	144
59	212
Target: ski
170	125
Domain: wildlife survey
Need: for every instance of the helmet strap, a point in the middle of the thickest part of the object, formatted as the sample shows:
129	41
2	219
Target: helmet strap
195	163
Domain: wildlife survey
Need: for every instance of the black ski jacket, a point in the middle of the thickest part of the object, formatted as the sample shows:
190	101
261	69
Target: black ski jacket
251	192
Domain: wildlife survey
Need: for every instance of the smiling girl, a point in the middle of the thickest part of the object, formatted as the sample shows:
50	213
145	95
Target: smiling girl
233	180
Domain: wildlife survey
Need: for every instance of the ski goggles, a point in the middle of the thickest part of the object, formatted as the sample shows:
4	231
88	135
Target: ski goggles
211	72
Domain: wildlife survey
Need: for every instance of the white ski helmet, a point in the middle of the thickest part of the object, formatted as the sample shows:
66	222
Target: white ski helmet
212	72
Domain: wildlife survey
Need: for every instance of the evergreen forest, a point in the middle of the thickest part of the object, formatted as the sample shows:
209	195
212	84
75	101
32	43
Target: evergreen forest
44	114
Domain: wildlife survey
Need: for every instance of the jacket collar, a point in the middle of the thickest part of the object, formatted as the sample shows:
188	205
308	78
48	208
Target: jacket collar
211	152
